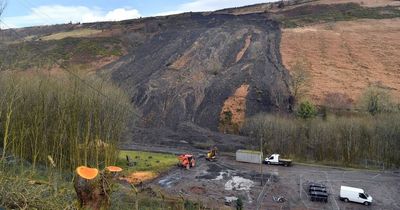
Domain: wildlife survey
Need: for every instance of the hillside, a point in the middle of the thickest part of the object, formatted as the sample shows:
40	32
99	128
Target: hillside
195	63
346	57
196	73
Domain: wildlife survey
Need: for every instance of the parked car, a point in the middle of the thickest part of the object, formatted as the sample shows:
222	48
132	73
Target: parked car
355	195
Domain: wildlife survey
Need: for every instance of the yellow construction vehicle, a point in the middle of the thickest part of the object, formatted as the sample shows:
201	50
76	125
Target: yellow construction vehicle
212	154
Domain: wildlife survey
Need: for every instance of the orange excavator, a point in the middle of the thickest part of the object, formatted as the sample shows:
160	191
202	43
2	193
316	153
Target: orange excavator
186	161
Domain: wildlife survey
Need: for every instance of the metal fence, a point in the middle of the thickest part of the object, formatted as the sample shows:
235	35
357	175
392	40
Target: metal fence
372	164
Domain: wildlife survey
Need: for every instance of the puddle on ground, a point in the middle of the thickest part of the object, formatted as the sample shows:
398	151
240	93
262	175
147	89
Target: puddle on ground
167	182
221	176
213	172
230	199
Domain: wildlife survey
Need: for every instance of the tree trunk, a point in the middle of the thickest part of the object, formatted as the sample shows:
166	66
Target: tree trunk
91	193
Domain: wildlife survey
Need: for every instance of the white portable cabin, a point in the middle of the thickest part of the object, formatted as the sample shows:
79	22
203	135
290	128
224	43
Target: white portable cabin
248	156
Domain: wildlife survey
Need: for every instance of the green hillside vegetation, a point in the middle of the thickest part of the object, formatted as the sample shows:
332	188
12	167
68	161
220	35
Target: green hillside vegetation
68	51
306	15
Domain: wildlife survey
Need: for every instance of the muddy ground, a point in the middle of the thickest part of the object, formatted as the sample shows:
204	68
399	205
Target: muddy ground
214	183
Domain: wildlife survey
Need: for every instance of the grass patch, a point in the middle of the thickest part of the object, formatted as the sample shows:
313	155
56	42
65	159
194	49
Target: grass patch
306	15
146	161
69	51
75	33
23	188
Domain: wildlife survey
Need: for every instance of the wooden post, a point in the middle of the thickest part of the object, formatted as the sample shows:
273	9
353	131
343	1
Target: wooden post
262	156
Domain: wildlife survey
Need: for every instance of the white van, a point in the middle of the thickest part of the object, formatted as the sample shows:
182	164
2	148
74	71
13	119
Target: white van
355	194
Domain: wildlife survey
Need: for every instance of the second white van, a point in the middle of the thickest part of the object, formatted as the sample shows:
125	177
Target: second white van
355	195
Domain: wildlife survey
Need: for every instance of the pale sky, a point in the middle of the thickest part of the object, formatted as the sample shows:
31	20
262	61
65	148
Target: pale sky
22	13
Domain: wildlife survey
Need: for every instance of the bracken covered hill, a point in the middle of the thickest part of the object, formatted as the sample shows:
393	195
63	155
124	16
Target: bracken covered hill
195	73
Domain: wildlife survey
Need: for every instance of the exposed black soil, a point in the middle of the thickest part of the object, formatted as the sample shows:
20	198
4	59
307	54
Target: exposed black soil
188	68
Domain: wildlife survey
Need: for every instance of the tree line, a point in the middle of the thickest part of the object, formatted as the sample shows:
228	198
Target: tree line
61	122
336	139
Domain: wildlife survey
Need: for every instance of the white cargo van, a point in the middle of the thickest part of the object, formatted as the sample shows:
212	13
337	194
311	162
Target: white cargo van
355	194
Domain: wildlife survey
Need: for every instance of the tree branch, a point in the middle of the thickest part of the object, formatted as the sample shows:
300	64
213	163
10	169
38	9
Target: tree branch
3	5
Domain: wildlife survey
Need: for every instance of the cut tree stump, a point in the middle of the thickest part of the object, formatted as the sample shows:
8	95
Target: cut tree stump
91	188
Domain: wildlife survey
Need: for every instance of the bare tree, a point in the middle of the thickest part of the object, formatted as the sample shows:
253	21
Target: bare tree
338	101
3	5
376	99
300	80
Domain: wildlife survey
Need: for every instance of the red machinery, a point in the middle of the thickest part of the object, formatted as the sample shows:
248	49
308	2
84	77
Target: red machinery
187	161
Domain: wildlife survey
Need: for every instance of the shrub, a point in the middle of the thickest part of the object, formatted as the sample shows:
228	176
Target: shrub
376	100
306	110
239	204
338	101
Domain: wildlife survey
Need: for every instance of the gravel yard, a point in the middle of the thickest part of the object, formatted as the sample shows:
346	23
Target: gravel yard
218	183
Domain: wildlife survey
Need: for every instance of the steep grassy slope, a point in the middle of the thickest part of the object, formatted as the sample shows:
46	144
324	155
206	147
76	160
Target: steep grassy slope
52	53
